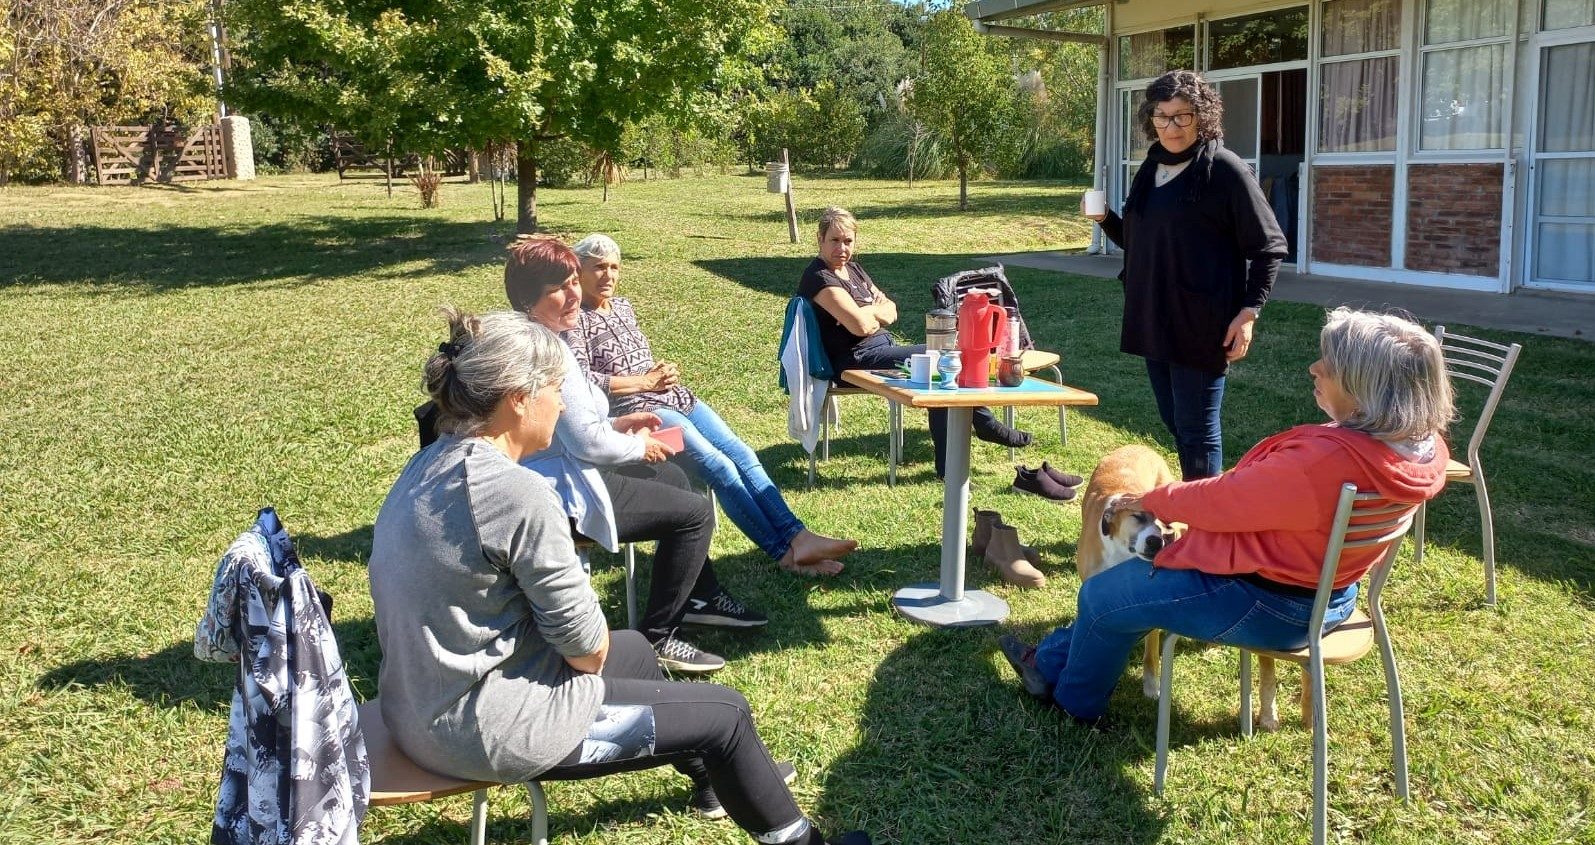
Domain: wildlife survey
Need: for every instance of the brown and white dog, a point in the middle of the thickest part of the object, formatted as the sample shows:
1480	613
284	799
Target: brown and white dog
1111	534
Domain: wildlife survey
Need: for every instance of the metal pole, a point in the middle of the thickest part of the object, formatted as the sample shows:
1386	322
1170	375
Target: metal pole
791	211
216	56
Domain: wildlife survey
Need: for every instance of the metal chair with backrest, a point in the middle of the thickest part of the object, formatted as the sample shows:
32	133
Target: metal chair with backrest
1361	520
1489	364
396	779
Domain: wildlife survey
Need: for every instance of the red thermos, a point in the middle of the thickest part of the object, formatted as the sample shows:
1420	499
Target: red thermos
982	326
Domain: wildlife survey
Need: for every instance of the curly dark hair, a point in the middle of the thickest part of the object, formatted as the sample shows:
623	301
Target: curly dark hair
1193	89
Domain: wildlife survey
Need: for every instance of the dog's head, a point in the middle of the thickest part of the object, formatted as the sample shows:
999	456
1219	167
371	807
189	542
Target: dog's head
1134	531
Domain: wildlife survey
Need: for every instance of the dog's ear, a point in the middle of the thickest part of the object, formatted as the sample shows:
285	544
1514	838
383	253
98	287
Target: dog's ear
1109	510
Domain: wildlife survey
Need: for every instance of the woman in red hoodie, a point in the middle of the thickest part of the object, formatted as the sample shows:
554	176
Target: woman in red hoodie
1245	571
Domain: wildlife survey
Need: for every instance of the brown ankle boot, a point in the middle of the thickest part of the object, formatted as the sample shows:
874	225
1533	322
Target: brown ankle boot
1005	554
984	521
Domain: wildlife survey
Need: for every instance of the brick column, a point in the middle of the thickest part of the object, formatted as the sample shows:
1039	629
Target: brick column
239	148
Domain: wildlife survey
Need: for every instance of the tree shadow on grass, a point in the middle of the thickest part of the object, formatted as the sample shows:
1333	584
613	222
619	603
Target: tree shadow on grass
301	250
940	207
174	676
950	750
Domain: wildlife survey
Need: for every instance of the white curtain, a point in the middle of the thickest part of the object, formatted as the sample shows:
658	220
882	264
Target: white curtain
1565	14
1357	112
1463	105
1566	248
1446	21
1361	26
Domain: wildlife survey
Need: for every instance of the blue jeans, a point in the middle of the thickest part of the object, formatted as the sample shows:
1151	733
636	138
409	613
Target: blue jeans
1118	606
729	466
1189	402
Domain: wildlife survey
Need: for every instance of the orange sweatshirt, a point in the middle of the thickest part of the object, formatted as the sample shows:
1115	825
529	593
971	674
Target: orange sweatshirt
1271	514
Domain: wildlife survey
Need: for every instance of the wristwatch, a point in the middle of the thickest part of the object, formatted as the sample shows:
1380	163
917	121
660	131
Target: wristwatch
1257	311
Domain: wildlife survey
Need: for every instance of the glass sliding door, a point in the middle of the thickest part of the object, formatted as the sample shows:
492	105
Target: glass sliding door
1563	249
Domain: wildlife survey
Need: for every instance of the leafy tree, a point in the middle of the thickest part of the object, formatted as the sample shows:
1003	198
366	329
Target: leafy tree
431	74
965	92
69	64
821	128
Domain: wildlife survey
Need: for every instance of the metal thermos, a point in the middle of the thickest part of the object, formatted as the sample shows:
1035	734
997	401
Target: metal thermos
1010	344
949	366
941	329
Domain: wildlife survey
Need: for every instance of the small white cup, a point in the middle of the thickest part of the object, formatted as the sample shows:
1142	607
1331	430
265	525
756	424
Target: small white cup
1096	203
920	366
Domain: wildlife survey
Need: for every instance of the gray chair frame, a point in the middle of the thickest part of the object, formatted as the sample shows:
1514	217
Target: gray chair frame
1382	523
1489	364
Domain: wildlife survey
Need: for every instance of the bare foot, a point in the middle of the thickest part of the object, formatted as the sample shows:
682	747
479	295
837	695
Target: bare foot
813	570
811	548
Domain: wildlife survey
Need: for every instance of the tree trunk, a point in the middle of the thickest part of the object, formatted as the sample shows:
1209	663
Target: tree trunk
963	186
74	167
526	187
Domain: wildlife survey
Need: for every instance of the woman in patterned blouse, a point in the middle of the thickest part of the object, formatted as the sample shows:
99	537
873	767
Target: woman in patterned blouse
616	355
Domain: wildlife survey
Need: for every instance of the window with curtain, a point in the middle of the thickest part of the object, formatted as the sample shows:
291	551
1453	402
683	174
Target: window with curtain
1262	39
1148	54
1446	21
1566	227
1359	70
1462	99
1357	113
1360	26
1566	14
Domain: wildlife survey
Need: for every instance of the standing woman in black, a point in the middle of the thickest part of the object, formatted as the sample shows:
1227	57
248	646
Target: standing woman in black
1201	250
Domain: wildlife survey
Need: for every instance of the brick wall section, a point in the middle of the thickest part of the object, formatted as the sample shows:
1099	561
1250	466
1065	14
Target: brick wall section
1454	218
1352	213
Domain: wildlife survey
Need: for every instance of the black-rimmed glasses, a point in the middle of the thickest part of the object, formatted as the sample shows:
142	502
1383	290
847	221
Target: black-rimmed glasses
1180	119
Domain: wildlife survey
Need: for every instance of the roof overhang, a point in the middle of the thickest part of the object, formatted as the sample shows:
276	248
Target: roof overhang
986	12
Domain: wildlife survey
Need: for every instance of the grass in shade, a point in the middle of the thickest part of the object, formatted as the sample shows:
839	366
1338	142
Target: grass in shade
176	358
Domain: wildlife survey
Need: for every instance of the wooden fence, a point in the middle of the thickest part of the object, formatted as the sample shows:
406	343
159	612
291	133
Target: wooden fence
130	155
354	161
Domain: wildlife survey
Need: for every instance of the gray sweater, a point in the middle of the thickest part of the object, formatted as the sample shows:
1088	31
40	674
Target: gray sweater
479	596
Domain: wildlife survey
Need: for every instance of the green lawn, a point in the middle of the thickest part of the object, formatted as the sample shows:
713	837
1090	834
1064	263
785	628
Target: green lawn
176	358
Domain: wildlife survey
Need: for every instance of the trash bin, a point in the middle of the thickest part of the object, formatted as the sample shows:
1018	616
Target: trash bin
775	176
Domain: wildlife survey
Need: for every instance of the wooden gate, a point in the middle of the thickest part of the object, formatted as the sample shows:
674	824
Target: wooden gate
130	155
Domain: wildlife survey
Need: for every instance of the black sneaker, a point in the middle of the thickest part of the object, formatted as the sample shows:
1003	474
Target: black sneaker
722	611
678	655
707	804
1023	660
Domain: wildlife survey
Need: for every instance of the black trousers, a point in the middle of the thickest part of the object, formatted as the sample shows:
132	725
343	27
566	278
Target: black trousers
873	355
655	502
705	730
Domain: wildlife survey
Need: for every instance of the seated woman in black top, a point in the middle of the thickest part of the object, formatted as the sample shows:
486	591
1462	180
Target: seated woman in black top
853	314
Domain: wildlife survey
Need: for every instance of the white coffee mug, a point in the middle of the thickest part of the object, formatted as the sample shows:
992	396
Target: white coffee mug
920	366
1096	203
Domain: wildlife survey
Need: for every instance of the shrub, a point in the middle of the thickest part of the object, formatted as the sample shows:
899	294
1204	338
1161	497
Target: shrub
885	153
428	182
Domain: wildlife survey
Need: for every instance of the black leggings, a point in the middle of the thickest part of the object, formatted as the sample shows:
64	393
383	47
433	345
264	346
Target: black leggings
705	730
655	502
878	355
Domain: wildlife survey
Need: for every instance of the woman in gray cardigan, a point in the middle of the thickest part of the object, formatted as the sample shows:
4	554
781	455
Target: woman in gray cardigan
496	661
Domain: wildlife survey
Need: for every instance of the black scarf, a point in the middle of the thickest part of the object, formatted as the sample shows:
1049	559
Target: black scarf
1203	153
